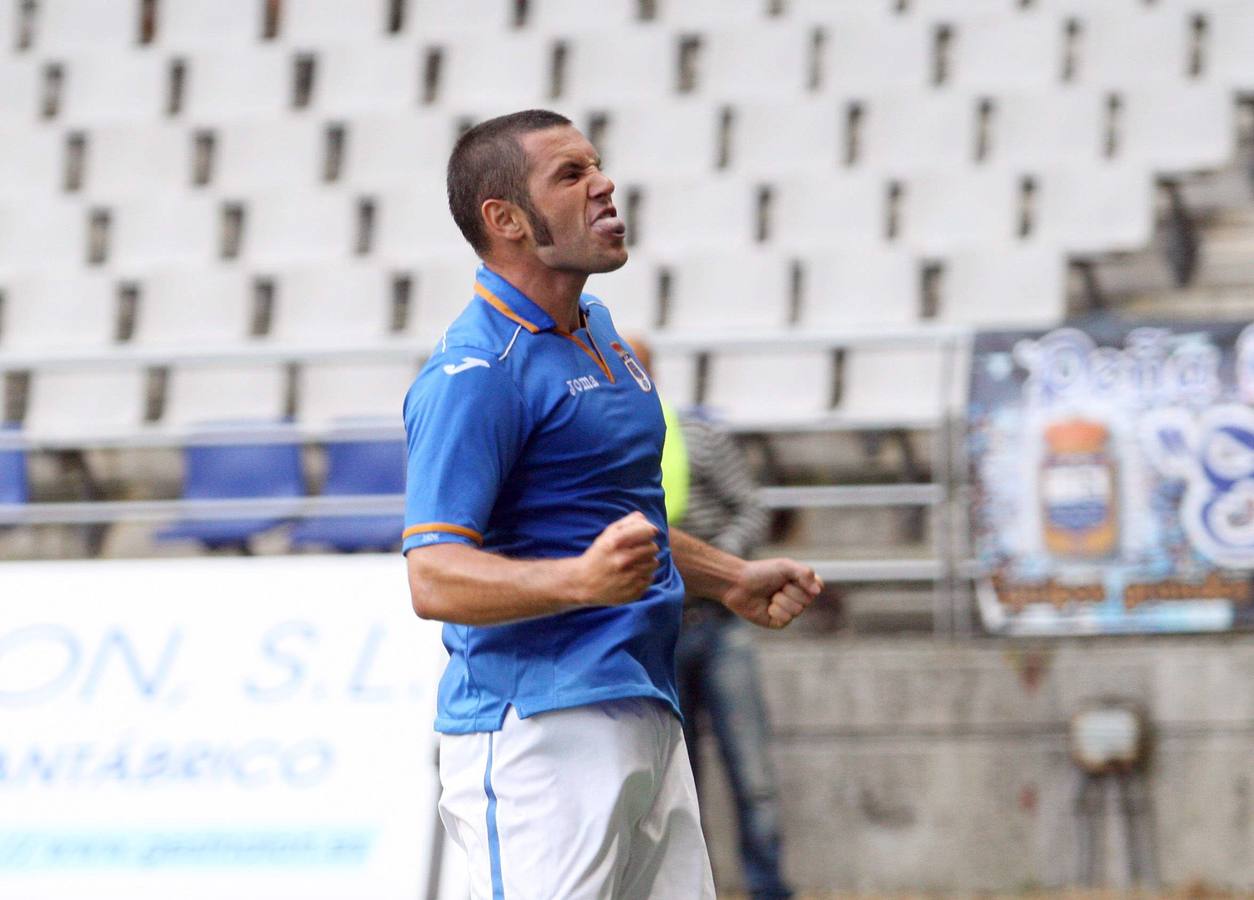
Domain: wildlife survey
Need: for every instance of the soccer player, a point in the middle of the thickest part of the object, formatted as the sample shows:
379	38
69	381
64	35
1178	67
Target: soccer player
536	530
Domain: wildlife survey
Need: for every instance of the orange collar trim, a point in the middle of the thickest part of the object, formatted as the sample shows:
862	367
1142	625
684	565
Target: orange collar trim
503	308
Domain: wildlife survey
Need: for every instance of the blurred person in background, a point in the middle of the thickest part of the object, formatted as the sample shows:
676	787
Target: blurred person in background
711	494
536	530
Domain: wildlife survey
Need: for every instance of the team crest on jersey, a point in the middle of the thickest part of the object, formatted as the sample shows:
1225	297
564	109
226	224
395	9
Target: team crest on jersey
637	371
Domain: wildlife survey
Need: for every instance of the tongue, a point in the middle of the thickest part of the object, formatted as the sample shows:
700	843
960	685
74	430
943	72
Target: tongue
611	225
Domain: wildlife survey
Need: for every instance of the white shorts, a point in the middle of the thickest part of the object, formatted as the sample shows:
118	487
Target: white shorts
592	802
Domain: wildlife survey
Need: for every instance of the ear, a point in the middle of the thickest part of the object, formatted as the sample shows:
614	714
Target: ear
503	220
1169	438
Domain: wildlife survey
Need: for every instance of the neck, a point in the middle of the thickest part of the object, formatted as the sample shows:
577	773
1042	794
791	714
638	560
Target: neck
553	290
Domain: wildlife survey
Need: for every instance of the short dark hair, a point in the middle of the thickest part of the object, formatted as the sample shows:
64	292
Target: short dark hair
488	162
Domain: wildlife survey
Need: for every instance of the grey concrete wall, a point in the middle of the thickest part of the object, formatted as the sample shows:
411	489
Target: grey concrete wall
914	764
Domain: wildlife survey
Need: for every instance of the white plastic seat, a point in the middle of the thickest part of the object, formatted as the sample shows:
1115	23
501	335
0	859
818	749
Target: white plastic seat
903	132
455	17
444	290
265	154
298	226
831	210
1011	287
1094	209
343	390
771	385
567	16
1230	36
209	306
137	159
734	290
951	8
20	91
31	161
710	13
868	287
872	53
1145	45
414	223
673	139
207	24
765	61
1047	128
73	25
628	66
788	137
386	150
81	403
631	293
58	311
1178	128
675	376
824	11
950	210
683	215
164	230
334	21
51	233
199	393
1005	50
494	72
113	88
892	384
327	305
238	83
350	80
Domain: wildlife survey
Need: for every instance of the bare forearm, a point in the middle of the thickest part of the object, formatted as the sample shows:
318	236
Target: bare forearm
707	570
466	586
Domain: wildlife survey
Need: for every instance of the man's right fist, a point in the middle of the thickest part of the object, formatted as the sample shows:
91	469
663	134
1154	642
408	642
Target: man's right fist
619	566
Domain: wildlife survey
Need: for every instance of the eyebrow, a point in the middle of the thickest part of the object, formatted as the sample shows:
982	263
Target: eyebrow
576	162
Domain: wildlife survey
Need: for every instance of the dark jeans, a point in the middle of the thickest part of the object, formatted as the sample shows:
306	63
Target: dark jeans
718	674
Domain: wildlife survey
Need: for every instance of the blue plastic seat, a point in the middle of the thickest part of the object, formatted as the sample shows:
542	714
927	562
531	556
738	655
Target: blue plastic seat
358	467
232	472
14	484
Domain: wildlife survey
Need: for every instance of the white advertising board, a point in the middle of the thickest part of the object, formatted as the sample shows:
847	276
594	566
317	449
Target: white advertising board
217	728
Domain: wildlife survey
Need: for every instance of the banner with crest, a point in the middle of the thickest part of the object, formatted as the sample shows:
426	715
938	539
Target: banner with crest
1112	478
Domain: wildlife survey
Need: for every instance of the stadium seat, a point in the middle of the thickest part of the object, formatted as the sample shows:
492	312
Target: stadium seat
564	17
770	385
195	307
868	53
494	73
675	374
680	215
1231	34
710	13
826	11
71	25
342	390
123	87
20	91
997	51
424	18
136	160
267	154
49	309
14	481
184	25
949	8
282	227
763	61
735	290
951	210
32	164
325	305
165	230
631	293
1178	128
82	404
909	131
214	471
641	68
1146	45
798	136
445	288
317	22
413	223
1047	128
210	392
236	84
350	81
673	139
1098	209
828	211
358	468
893	384
868	287
49	234
1014	287
386	150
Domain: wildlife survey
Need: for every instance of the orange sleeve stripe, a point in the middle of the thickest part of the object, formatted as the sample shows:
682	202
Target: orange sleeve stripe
442	526
503	308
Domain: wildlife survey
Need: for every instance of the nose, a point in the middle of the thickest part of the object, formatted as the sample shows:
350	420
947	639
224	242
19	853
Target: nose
600	186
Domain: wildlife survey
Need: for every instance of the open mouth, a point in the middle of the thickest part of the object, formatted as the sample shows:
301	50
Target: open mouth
608	223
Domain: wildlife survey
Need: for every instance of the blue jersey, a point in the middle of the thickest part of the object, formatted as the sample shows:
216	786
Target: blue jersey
528	441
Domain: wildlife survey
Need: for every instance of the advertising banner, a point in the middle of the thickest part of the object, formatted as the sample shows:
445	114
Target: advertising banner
1112	478
217	728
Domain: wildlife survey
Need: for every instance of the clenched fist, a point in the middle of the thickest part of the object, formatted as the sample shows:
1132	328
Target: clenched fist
620	564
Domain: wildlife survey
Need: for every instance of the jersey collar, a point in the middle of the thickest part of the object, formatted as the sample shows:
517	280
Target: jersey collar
513	303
